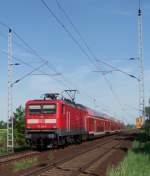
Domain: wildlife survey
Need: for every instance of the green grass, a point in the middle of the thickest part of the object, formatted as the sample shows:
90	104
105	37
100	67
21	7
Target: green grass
136	163
3	151
3	134
24	164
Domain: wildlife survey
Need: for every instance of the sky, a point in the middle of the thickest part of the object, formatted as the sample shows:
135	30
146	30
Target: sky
110	29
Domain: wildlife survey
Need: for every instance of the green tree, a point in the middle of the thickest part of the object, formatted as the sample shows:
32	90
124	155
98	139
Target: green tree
19	126
3	124
147	112
130	126
146	128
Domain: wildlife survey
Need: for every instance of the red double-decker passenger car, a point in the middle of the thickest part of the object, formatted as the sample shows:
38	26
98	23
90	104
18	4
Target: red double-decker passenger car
53	121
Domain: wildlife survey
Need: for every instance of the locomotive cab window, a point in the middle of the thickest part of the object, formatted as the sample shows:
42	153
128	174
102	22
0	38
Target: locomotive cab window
49	109
34	109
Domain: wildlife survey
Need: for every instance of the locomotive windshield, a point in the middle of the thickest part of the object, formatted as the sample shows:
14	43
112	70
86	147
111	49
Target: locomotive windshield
49	109
34	109
42	109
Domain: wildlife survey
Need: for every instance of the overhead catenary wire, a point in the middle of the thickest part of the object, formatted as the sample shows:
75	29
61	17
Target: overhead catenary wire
73	38
115	95
28	74
67	31
73	26
93	55
85	42
32	51
51	76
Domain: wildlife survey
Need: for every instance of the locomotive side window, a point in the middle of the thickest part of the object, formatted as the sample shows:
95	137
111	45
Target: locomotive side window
49	109
34	109
63	109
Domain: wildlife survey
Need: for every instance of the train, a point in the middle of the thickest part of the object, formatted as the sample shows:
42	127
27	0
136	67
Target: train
52	121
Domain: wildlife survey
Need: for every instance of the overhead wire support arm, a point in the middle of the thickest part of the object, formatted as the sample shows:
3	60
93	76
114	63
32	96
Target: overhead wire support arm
28	74
118	69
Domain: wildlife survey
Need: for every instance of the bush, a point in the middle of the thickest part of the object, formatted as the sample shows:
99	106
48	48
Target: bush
19	126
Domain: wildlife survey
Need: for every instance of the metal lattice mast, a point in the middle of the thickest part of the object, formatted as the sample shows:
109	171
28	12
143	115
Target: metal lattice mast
10	135
141	64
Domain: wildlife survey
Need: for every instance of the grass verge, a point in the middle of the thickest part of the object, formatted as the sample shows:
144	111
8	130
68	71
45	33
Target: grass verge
136	163
3	150
24	164
3	136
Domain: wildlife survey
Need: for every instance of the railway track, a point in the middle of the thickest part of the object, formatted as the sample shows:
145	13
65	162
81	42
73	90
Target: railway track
78	163
16	156
74	160
21	155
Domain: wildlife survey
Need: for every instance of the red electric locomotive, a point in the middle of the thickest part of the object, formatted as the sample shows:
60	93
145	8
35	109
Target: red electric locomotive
54	121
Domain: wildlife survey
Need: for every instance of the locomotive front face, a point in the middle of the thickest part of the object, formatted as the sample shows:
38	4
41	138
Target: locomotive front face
41	122
41	116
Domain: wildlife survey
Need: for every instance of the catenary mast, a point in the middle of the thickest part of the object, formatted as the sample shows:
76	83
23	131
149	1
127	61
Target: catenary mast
10	135
141	64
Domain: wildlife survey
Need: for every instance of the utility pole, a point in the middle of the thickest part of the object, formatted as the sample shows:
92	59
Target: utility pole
10	135
141	65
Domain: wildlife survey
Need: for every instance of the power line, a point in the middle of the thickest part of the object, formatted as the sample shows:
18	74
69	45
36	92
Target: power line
74	27
73	38
40	71
81	38
28	74
114	94
92	54
67	31
32	51
84	41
